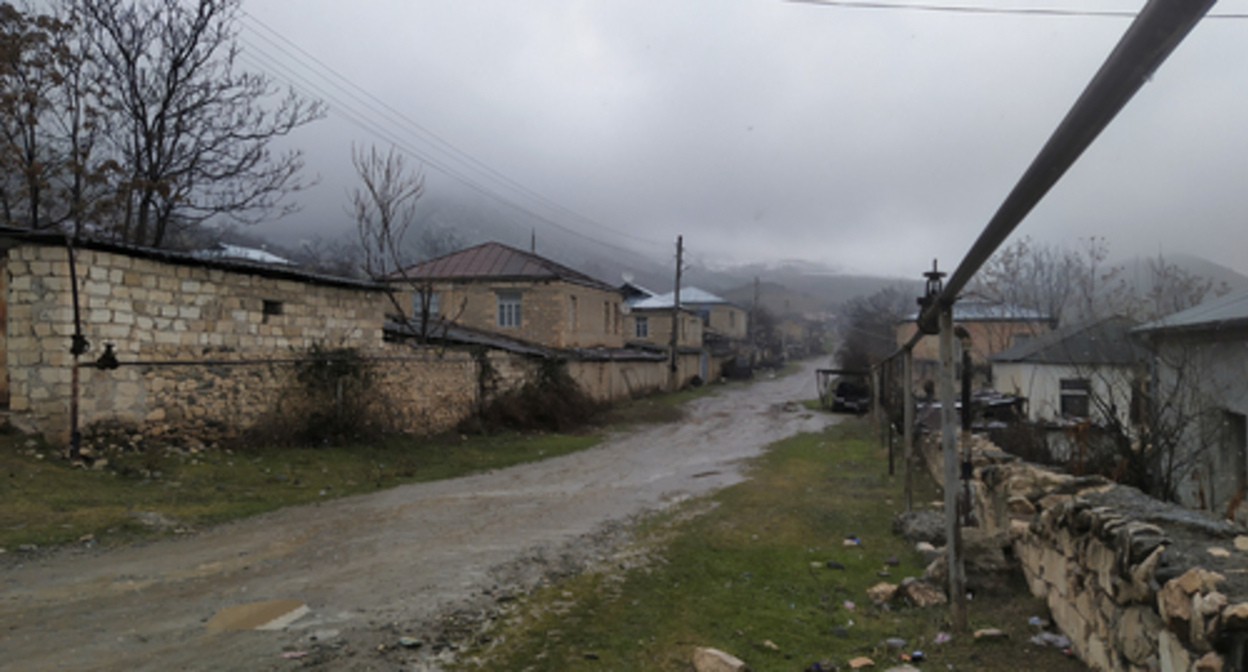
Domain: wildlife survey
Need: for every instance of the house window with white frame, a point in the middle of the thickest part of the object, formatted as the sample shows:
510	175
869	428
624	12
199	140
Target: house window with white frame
1076	393
508	310
642	327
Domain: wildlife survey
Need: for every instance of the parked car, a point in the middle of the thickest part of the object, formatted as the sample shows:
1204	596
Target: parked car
851	396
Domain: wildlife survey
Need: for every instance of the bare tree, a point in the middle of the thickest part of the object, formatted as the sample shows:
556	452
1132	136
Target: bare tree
33	64
1148	420
868	326
384	209
192	134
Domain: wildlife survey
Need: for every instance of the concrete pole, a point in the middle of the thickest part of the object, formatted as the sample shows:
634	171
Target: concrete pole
907	368
949	449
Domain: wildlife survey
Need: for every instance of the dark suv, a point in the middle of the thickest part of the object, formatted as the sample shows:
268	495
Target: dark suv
851	397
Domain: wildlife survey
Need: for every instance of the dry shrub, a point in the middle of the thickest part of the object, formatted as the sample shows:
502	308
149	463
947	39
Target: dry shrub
550	402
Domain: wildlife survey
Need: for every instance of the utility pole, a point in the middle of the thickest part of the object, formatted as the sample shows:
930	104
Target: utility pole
680	259
753	326
949	446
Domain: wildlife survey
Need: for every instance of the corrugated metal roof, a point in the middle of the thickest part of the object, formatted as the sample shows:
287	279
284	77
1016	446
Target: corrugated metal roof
495	261
8	233
976	311
1225	311
1106	341
689	296
447	332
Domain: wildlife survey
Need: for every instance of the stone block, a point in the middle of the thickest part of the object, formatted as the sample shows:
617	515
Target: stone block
1210	662
1171	653
1137	632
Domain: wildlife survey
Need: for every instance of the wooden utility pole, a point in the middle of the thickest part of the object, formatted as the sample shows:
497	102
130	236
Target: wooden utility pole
674	383
753	326
949	449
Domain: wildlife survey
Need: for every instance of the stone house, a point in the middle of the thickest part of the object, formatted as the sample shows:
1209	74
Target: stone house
496	288
991	328
1199	388
503	292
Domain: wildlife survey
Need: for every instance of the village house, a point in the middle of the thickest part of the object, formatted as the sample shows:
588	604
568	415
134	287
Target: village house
493	287
710	325
500	290
1199	387
1075	373
990	328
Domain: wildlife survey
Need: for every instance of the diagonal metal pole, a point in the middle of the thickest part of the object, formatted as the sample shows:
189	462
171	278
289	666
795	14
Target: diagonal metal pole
1158	29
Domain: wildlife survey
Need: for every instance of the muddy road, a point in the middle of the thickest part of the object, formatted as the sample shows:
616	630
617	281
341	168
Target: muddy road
371	568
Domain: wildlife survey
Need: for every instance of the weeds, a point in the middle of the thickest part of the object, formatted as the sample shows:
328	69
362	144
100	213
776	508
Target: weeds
746	571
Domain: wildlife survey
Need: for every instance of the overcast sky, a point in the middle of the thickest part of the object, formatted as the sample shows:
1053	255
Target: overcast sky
868	140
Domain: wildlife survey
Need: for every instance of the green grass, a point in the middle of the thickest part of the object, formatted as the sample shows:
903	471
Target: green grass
750	569
47	501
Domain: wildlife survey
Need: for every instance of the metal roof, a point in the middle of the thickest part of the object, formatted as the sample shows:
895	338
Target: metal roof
1105	341
448	332
10	236
495	261
978	311
689	296
238	252
1229	310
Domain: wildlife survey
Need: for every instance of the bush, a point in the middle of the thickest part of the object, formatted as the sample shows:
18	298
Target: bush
551	402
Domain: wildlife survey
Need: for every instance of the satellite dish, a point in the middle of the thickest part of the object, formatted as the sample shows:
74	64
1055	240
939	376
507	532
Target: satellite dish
625	309
628	277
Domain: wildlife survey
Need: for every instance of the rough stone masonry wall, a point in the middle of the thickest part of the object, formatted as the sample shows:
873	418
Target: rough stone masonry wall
1136	584
416	391
214	360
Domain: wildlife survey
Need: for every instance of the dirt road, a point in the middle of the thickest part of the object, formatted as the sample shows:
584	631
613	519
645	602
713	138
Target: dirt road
372	568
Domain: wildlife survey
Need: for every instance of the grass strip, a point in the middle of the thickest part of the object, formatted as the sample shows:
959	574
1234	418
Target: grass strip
747	571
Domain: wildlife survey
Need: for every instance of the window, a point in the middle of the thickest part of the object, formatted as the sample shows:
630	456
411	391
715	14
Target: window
1075	402
705	313
643	327
732	320
1019	339
508	309
606	317
418	304
1235	443
572	313
272	307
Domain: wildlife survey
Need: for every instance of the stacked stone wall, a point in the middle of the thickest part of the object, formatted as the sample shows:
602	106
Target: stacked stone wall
613	380
1136	584
410	392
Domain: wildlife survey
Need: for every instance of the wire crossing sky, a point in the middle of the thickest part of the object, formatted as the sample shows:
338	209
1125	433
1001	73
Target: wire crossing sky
851	136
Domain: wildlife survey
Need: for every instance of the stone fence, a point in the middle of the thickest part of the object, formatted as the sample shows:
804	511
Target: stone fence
1135	583
409	390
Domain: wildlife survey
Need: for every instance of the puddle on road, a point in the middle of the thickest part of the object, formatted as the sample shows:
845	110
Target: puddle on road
270	615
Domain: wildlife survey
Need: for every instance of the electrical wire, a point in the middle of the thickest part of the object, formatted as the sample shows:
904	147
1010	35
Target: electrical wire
371	114
981	9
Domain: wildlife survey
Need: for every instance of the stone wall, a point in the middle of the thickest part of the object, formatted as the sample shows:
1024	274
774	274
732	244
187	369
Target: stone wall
415	391
208	351
612	380
1136	584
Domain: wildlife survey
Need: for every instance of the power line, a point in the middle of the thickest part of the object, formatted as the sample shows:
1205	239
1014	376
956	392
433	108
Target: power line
980	9
376	115
266	62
